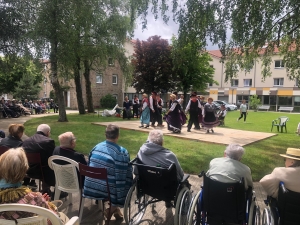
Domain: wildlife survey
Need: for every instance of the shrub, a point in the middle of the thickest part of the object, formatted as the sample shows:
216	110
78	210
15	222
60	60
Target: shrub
254	102
108	101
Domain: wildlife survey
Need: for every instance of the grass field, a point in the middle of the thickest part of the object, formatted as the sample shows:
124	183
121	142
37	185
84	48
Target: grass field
194	156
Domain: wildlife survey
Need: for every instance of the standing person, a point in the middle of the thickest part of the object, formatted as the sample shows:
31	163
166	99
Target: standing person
135	106
160	104
209	115
201	99
153	108
13	140
193	107
221	114
145	112
108	154
53	106
127	108
243	111
41	143
181	101
173	115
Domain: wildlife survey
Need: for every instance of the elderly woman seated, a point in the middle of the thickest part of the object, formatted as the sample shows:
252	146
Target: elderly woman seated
13	167
289	174
13	140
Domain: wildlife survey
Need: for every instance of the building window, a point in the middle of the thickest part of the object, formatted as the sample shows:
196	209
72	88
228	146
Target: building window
99	78
115	79
278	81
110	61
247	82
235	83
279	64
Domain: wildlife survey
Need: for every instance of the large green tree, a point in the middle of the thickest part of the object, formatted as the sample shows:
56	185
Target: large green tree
153	65
12	69
27	88
191	65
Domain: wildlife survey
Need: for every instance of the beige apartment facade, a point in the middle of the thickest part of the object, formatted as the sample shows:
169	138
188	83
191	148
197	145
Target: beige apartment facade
275	91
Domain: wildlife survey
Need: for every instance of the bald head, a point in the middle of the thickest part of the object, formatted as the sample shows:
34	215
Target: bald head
67	140
45	128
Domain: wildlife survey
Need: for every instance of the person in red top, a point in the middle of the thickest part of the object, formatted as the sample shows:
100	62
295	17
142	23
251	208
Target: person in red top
193	107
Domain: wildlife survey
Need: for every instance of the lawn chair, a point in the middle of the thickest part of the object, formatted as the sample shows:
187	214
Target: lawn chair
41	219
280	123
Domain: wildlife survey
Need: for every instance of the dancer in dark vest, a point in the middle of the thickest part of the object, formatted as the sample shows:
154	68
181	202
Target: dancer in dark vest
160	104
135	106
153	108
193	107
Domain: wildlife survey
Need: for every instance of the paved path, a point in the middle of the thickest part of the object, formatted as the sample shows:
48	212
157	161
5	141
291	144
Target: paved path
221	135
161	215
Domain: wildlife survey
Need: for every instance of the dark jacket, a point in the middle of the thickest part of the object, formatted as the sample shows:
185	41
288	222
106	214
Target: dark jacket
69	153
40	143
11	142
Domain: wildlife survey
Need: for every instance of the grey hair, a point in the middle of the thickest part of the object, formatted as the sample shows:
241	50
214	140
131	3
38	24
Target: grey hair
65	139
45	128
234	151
156	137
112	131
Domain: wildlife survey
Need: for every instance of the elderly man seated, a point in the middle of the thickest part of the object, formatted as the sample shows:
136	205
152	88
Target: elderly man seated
153	153
229	169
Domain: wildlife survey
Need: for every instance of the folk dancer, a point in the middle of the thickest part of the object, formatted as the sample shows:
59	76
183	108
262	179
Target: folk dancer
209	119
173	116
160	104
193	107
145	112
153	108
135	106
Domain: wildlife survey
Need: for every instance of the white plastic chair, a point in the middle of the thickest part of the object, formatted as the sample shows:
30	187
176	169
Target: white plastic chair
41	219
66	176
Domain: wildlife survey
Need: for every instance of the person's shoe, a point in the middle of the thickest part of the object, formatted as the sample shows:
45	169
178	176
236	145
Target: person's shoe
188	130
118	214
147	126
141	127
207	131
212	130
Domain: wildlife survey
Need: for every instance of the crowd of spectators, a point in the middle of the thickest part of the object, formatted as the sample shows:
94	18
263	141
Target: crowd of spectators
15	108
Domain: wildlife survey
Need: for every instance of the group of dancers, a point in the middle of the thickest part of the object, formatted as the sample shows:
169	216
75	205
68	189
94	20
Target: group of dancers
201	112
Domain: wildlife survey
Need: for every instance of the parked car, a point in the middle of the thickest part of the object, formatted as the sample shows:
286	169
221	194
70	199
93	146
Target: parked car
229	107
218	106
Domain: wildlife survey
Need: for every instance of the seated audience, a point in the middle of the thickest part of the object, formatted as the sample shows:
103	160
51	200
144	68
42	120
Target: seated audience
108	154
153	153
289	174
67	143
43	144
13	167
13	140
229	169
6	110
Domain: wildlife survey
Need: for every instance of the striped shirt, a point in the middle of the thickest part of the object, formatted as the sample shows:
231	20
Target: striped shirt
115	159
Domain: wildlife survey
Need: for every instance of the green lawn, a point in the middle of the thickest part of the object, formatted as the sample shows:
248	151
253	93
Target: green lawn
194	156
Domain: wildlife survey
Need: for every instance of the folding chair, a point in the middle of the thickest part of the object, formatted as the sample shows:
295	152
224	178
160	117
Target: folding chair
3	149
66	176
35	158
41	219
95	173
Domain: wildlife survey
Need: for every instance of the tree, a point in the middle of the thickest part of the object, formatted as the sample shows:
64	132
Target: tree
191	66
27	87
152	65
12	69
254	102
247	30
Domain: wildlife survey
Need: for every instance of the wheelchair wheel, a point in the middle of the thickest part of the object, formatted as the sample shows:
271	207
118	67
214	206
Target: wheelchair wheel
178	203
184	207
134	207
266	220
192	214
254	214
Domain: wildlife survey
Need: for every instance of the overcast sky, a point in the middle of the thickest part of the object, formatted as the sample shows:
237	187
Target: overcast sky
158	27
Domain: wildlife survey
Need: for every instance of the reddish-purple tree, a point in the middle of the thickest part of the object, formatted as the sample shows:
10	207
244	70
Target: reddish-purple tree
153	65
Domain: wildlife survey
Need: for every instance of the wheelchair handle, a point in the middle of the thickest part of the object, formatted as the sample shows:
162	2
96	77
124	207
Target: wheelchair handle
201	174
281	185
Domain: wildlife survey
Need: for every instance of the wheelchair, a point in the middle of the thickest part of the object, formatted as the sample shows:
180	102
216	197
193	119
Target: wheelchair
223	203
153	184
285	211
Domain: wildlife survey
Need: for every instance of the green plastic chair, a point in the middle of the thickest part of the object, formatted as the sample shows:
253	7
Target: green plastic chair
280	123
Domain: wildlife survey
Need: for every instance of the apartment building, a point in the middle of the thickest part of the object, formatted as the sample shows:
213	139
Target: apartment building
275	91
110	80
